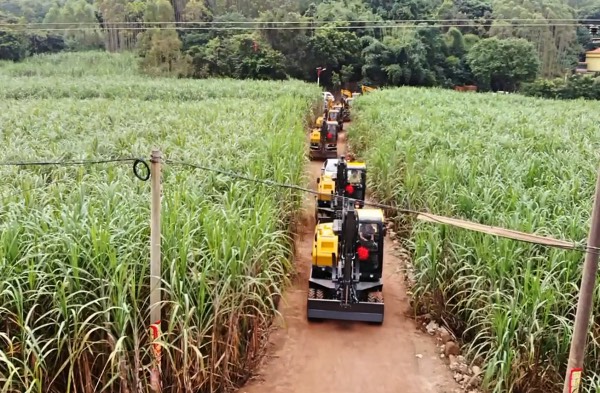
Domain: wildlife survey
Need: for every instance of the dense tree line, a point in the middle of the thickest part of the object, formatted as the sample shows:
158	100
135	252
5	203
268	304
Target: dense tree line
477	47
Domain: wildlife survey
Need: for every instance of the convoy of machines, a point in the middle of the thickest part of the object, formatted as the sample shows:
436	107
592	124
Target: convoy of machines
347	254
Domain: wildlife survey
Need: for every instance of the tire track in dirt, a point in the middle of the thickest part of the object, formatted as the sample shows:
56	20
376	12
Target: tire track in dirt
348	357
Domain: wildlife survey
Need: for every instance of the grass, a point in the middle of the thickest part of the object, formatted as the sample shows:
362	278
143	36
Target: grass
74	241
515	162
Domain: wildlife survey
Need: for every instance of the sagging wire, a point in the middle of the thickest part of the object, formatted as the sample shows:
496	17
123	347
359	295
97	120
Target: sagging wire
511	234
514	235
137	162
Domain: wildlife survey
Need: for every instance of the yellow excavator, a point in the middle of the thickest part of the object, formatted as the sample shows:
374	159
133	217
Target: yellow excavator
323	140
339	177
347	266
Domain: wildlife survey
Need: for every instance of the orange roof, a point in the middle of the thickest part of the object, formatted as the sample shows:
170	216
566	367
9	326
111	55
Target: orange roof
597	50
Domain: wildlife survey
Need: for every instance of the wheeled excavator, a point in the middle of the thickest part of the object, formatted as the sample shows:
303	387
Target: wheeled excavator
350	181
323	140
347	266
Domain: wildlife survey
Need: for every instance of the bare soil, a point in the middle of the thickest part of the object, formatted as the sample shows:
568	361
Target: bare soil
348	357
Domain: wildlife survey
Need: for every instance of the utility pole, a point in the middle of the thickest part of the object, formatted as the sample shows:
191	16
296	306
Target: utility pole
155	268
586	298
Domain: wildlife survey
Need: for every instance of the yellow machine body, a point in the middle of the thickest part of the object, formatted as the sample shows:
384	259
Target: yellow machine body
367	89
315	135
326	240
347	93
326	186
357	165
325	244
319	122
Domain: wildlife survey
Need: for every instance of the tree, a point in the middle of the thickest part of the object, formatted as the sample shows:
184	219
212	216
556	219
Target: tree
13	43
397	61
553	43
73	15
503	64
40	42
332	48
160	49
293	44
404	9
242	56
455	42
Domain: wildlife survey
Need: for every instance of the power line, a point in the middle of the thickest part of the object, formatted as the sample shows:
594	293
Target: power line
424	216
67	163
137	162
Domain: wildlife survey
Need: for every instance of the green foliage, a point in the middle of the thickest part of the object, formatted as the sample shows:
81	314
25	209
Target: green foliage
502	160
74	241
160	49
333	48
553	44
356	53
292	44
13	46
404	9
576	86
243	56
503	64
40	42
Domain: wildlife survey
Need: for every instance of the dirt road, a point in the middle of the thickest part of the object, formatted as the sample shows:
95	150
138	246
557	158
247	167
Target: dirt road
347	357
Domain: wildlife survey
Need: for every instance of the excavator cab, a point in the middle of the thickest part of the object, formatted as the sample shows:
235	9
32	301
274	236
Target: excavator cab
357	179
347	267
335	114
370	236
323	141
349	181
347	103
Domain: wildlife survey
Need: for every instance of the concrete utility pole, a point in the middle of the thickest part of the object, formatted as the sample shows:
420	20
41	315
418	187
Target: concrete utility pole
586	298
155	268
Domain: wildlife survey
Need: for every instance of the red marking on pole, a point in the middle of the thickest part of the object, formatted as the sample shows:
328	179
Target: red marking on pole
155	328
575	380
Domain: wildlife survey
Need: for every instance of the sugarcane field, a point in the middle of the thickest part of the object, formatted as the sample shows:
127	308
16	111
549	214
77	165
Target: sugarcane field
299	196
